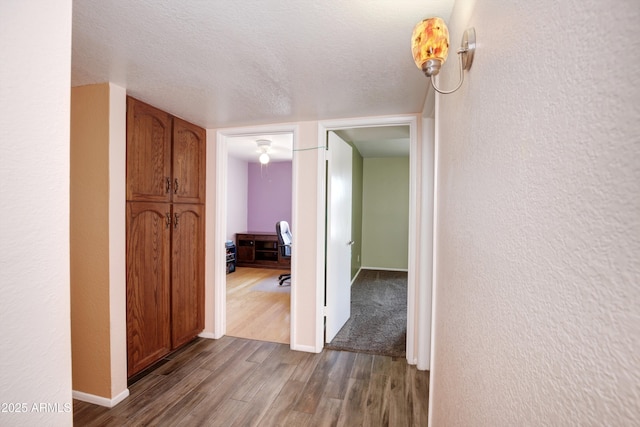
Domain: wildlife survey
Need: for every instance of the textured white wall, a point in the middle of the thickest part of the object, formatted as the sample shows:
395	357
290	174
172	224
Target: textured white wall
537	299
35	343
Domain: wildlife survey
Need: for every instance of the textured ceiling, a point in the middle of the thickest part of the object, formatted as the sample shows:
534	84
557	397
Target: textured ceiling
240	63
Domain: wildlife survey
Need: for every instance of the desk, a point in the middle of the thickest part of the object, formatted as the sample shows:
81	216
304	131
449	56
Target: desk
259	249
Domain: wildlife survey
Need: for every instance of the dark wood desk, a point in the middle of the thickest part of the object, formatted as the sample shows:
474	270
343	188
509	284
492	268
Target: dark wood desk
259	249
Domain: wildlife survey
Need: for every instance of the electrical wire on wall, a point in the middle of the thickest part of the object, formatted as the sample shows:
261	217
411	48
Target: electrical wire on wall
309	148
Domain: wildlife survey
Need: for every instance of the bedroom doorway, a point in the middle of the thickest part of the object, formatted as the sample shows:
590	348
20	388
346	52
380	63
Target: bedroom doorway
379	200
256	196
419	263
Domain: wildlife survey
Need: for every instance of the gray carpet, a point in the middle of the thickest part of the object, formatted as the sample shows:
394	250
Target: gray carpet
378	322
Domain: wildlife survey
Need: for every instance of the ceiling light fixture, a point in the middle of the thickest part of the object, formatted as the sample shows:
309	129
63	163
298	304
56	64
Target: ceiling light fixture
263	147
430	47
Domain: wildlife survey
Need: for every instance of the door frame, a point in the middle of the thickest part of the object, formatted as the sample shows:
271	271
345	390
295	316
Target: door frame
220	228
414	288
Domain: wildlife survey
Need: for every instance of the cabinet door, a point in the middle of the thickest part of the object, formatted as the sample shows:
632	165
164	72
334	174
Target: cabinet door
148	284
187	273
148	153
245	248
189	151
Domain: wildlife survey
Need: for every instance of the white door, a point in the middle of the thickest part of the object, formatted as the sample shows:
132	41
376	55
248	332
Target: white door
338	278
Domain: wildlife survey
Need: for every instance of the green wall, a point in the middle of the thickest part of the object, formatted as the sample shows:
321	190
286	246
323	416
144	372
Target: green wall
385	212
356	213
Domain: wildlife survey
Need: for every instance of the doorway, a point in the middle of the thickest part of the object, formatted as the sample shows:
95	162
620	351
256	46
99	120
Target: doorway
251	197
419	283
377	275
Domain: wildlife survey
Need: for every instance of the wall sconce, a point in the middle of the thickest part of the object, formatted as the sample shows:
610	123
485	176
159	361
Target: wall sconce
263	147
430	46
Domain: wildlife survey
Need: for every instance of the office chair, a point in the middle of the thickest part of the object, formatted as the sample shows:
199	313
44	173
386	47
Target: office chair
284	242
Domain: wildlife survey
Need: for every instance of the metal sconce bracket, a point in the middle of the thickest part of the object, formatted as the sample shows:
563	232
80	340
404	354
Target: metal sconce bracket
465	54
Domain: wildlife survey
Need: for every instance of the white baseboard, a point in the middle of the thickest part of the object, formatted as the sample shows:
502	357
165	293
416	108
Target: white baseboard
305	348
99	400
406	270
356	276
208	335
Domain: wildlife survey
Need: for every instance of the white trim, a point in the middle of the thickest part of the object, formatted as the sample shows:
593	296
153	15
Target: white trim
413	328
356	275
295	171
305	348
208	335
220	270
424	303
220	227
411	121
384	269
320	239
436	150
99	400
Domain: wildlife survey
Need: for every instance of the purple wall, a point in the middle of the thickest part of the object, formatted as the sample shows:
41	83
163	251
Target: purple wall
269	195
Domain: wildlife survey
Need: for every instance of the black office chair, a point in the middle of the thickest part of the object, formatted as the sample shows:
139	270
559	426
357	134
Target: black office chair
284	242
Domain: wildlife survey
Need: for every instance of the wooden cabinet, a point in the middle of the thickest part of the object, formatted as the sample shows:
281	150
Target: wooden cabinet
165	156
259	250
187	273
188	162
148	284
165	233
148	153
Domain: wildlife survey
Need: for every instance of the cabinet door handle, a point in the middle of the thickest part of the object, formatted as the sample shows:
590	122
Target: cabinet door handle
168	184
175	186
168	220
175	224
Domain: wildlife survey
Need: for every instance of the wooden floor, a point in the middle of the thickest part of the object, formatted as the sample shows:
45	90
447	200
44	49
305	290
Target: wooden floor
240	382
257	315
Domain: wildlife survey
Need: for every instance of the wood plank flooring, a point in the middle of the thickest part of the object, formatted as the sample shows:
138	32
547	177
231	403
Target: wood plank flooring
241	382
257	315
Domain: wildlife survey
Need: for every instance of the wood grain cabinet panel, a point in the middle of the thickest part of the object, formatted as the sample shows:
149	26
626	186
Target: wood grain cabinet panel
148	284
188	162
187	273
148	153
165	156
165	233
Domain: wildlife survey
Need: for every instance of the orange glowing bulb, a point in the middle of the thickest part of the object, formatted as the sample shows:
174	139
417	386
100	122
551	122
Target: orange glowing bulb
430	41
